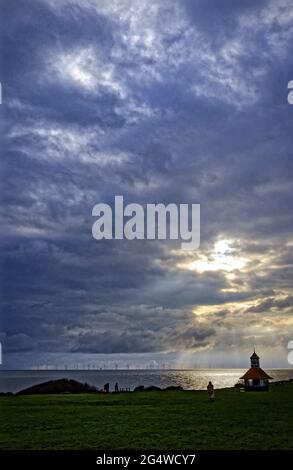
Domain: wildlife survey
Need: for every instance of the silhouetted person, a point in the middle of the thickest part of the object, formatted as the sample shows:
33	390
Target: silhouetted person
106	388
116	387
211	391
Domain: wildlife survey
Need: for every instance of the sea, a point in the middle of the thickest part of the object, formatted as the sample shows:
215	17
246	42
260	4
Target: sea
189	379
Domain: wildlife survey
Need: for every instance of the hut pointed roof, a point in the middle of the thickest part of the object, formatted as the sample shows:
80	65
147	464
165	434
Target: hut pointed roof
256	373
254	355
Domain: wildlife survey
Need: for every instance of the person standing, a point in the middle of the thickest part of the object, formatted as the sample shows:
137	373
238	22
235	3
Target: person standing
211	391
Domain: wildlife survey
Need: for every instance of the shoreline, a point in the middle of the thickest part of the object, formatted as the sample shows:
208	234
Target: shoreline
73	387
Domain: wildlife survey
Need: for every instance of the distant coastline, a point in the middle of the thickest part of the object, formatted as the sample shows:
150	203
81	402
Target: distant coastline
61	386
188	379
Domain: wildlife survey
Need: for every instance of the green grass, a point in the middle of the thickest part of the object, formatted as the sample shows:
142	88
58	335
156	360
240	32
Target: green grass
150	420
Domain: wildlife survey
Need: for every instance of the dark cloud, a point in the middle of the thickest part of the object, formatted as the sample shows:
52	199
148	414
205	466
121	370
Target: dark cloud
177	102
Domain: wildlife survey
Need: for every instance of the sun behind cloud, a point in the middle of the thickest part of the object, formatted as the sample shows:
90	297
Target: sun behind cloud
223	257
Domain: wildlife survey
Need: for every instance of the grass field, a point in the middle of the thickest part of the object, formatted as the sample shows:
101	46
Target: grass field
150	420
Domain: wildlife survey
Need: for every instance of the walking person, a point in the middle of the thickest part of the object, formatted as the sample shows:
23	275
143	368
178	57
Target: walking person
211	391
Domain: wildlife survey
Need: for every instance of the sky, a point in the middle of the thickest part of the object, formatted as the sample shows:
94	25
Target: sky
159	101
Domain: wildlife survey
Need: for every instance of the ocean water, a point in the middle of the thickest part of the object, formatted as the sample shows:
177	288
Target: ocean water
195	379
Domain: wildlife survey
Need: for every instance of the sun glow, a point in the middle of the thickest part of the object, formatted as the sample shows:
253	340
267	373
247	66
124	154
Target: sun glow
222	258
232	307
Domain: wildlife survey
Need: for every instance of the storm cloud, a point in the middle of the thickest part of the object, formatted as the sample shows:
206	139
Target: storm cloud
159	101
